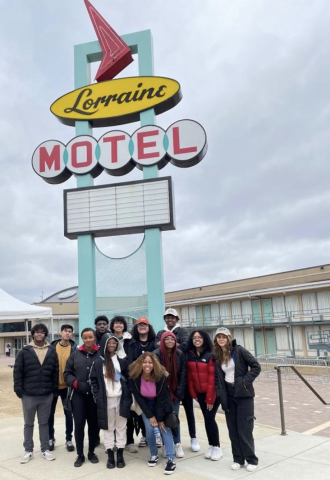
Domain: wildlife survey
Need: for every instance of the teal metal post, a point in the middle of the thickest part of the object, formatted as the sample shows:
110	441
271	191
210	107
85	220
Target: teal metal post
153	236
85	243
141	44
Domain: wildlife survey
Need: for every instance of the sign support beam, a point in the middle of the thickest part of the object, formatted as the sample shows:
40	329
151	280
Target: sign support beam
84	54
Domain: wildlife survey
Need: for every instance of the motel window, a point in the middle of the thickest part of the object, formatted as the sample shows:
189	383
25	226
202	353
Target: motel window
309	302
323	300
224	310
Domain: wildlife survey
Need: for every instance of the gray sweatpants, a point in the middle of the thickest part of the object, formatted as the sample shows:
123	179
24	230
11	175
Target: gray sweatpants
41	405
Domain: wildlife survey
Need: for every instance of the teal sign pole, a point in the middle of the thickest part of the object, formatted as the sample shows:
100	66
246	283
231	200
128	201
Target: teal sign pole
140	43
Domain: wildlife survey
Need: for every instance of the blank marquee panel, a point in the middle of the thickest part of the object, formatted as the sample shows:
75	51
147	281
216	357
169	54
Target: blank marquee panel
119	209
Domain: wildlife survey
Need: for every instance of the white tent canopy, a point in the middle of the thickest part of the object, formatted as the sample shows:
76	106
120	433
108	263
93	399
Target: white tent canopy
12	309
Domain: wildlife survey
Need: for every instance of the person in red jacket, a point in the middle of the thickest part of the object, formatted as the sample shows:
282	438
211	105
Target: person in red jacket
201	384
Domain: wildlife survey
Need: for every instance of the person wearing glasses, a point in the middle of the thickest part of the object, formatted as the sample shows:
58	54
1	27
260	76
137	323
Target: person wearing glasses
236	369
143	340
201	384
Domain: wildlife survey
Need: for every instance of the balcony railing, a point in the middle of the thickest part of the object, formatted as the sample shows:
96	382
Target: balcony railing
264	319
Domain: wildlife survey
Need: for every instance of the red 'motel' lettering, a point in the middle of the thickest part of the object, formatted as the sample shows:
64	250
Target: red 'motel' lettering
176	144
49	159
143	145
89	154
114	146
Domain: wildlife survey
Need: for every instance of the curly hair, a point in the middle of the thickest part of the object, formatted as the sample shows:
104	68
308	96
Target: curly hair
118	319
151	333
207	342
39	327
135	369
222	355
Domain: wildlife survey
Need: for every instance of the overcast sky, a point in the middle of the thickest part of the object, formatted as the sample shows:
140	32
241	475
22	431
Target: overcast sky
254	73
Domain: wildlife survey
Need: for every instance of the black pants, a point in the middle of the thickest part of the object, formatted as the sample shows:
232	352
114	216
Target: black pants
188	406
240	422
68	417
84	409
211	426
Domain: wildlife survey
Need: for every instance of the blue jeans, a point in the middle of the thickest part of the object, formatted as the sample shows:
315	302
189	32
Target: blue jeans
176	431
166	435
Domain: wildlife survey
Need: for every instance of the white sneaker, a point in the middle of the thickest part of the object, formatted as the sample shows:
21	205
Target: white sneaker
164	452
216	453
194	445
236	466
251	468
179	453
208	453
26	457
47	455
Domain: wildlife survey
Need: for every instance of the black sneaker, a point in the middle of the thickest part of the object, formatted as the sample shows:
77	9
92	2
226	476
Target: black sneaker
79	461
152	462
92	457
170	467
69	446
51	444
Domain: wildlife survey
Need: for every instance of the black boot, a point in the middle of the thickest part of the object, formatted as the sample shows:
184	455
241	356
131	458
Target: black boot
111	459
120	458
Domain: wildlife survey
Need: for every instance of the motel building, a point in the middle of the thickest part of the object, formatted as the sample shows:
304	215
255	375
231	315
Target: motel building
283	313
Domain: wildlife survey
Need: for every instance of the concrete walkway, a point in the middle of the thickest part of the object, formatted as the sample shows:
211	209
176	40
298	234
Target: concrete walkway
295	456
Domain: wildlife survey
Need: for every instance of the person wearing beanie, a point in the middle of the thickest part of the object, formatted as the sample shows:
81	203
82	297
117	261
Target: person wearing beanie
174	362
101	327
235	371
172	324
112	397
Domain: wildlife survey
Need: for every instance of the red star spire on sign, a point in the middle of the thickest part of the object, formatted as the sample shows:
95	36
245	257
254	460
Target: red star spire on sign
116	53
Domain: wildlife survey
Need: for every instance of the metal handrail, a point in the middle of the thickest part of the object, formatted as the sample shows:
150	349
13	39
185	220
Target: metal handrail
280	391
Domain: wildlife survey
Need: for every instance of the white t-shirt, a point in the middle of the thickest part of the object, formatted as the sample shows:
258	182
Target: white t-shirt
229	370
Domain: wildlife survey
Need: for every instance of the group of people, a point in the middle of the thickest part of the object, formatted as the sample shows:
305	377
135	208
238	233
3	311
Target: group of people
123	383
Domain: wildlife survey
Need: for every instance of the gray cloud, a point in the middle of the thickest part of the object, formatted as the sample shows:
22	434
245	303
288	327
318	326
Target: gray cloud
254	73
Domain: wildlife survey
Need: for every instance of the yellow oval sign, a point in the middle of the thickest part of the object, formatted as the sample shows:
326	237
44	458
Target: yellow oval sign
118	101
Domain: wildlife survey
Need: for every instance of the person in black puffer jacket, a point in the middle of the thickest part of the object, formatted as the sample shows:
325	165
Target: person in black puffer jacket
112	396
235	370
76	376
36	382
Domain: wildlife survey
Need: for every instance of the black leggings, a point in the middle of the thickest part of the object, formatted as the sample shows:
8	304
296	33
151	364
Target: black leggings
211	426
188	405
84	409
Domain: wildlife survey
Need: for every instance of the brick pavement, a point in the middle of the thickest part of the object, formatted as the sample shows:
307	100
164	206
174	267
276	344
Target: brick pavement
304	412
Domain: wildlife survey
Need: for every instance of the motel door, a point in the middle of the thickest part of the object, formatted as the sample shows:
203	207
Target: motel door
256	312
267	310
270	341
259	342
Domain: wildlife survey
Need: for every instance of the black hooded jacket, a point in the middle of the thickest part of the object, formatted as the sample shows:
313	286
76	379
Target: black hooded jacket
32	378
77	370
247	368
